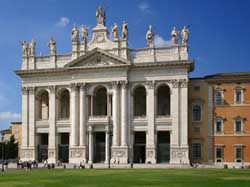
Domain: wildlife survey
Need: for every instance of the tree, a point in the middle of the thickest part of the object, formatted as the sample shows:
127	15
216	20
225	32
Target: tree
10	149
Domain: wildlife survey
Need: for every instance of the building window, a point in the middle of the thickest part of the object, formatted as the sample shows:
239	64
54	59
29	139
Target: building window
219	97
219	125
238	125
238	98
196	113
219	154
196	150
196	88
238	153
196	129
163	100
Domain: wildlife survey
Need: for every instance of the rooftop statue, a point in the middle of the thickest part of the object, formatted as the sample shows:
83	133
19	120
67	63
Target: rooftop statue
25	48
85	33
125	30
32	47
175	34
150	36
52	46
75	34
185	35
100	16
115	31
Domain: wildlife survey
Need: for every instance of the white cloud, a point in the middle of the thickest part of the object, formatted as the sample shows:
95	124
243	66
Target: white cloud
11	116
63	22
144	7
160	42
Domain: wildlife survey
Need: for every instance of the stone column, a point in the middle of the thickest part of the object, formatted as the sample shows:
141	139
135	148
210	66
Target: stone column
25	116
82	123
183	131
150	145
31	126
74	115
28	126
90	131
124	112
52	147
75	153
115	114
91	105
107	147
174	136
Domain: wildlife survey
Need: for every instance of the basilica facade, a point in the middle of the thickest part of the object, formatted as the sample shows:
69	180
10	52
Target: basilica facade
105	102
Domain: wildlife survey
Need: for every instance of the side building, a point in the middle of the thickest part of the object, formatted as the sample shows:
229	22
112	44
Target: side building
15	130
231	117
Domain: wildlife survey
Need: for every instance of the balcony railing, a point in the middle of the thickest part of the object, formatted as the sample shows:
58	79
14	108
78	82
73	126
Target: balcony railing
99	119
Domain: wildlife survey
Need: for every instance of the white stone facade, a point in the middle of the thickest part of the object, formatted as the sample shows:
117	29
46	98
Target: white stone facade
111	66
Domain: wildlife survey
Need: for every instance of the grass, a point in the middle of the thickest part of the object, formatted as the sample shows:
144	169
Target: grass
127	177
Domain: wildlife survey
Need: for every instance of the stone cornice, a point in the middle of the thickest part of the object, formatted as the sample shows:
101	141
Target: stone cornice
27	73
228	78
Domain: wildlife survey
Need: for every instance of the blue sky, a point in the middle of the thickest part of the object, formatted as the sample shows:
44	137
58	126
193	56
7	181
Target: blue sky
219	40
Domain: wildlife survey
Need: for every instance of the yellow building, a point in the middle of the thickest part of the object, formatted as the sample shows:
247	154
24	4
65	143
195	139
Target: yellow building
16	130
199	121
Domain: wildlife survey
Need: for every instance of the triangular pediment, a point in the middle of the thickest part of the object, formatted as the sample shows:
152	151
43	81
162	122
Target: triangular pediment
97	57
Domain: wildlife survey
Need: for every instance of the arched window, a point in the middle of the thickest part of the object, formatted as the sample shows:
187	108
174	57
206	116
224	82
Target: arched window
43	105
196	113
64	105
163	100
140	101
100	101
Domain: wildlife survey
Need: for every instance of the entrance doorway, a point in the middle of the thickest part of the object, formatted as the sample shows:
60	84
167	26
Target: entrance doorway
163	146
99	147
42	147
63	148
139	147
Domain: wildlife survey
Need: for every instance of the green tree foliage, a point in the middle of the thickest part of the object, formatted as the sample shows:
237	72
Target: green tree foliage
10	149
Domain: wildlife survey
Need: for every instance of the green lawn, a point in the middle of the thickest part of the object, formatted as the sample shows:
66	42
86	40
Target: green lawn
127	177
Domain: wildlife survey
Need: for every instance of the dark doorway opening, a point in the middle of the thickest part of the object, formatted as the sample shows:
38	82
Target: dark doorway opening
63	148
99	147
163	146
43	147
139	147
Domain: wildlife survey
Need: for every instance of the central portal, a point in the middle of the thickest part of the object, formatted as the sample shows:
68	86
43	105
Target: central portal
99	147
140	147
163	146
63	148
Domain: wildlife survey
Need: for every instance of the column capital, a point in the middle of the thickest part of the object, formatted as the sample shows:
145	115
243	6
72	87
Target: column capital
25	90
31	90
175	83
82	85
124	84
52	89
150	84
107	129
115	84
183	83
74	86
90	129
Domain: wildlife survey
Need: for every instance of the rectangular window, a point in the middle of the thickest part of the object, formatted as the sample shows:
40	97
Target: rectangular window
196	129
196	150
218	98
238	126
218	126
238	96
219	154
239	154
196	88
